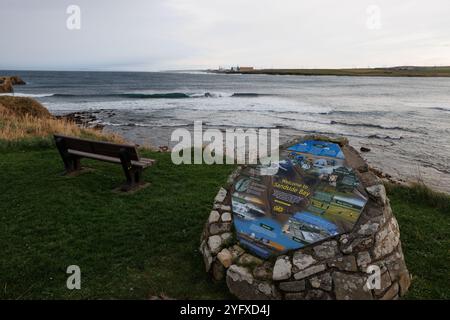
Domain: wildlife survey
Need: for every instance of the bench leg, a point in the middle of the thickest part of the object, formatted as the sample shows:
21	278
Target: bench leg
134	178
71	162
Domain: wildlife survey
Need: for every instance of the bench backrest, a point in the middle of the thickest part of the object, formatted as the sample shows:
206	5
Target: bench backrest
99	147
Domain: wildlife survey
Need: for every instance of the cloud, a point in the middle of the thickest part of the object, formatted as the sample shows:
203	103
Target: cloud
165	34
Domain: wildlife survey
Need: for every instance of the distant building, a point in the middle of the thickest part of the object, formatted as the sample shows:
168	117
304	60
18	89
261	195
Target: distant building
245	69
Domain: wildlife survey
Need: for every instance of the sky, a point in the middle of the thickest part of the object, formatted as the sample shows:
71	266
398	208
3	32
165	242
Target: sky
153	35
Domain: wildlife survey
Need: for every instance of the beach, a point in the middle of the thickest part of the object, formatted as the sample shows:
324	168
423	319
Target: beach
402	121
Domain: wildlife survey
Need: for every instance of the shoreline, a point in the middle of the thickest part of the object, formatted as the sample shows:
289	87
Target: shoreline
349	72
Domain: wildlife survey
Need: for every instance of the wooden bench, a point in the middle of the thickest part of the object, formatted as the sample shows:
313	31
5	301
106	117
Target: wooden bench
72	150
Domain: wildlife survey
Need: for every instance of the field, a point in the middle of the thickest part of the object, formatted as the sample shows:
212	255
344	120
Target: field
145	244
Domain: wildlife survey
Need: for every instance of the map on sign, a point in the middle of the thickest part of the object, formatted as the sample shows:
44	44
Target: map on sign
313	196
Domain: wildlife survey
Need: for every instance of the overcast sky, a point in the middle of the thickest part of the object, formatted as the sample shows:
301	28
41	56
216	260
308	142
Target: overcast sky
141	35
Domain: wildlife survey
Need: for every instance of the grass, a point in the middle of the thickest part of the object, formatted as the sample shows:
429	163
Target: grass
424	219
144	244
127	246
25	123
370	72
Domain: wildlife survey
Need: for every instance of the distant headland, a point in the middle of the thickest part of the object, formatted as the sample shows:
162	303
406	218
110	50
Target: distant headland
400	71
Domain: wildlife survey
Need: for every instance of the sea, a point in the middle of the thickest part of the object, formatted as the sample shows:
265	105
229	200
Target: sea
405	122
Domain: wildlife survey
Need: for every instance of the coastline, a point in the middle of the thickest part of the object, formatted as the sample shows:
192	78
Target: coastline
350	72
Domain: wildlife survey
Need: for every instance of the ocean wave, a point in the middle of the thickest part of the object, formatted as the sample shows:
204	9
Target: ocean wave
28	95
163	95
441	109
371	125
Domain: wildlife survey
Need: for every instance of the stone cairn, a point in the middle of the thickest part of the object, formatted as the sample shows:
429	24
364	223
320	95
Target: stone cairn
336	268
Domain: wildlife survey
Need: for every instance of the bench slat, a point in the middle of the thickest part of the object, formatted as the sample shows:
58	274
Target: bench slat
143	162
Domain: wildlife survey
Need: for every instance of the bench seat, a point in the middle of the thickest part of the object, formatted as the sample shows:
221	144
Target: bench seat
143	162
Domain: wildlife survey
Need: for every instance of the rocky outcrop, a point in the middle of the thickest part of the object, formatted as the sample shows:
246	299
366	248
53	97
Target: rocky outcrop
7	83
365	263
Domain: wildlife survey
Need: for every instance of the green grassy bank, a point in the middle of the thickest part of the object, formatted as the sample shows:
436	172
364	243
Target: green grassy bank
145	244
355	72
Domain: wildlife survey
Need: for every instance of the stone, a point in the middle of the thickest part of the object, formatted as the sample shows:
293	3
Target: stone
221	195
323	281
225	257
218	271
263	271
345	263
364	149
242	284
368	228
302	261
354	160
358	244
294	296
378	193
385	282
207	257
217	228
309	271
404	282
350	287
387	239
226	217
326	250
214	216
363	260
214	243
236	251
293	286
226	237
282	269
391	293
317	295
249	260
225	208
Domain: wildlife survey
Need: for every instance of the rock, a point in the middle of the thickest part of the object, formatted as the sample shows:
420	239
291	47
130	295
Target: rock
358	244
363	260
221	195
385	282
302	261
350	287
377	193
282	269
226	237
354	160
391	293
249	260
326	250
225	257
368	179
6	86
226	217
293	286
294	296
345	263
217	228
364	149
236	251
387	239
323	281
309	271
214	216
242	284
218	271
404	282
207	257
214	243
317	295
263	271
